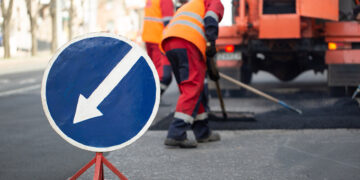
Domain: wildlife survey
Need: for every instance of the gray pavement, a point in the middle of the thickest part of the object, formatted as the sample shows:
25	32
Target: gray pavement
271	154
19	64
32	150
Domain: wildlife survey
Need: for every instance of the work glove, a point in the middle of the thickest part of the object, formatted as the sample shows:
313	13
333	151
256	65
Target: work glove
212	69
210	49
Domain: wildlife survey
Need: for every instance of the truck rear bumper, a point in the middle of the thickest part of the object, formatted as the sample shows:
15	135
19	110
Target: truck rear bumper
351	56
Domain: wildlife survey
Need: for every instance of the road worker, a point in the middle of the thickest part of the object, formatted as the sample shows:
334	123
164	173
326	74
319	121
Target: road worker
158	13
188	40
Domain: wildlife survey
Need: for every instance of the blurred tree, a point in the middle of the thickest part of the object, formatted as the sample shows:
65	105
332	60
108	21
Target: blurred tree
6	14
53	13
33	10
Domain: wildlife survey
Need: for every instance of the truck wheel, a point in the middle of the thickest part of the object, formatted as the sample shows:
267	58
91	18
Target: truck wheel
342	91
337	91
245	77
245	74
246	70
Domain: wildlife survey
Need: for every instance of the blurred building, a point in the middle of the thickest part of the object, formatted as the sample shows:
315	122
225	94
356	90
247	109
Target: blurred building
123	17
84	18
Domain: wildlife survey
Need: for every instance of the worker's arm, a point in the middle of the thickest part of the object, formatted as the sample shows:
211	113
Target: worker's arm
167	10
214	11
357	13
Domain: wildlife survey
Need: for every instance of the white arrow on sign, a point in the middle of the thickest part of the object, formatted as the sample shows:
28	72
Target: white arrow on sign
87	108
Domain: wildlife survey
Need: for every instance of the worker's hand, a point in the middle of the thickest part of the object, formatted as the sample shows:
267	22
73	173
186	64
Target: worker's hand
212	69
210	49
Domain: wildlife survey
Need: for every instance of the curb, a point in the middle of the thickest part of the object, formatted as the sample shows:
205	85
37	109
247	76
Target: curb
24	63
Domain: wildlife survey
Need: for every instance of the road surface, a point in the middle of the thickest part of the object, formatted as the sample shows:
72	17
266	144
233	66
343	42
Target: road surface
270	147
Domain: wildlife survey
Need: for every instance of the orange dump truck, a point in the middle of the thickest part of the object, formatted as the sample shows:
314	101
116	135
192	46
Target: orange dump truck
288	37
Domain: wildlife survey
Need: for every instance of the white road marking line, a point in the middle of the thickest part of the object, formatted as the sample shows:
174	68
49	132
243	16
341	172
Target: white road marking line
4	81
27	81
20	90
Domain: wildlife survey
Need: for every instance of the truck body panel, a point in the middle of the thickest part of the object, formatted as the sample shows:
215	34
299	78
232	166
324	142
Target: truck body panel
288	37
323	9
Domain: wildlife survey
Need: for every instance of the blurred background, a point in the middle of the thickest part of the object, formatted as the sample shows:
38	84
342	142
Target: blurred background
37	26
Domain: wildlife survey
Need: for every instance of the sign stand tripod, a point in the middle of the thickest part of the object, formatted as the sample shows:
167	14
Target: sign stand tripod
99	160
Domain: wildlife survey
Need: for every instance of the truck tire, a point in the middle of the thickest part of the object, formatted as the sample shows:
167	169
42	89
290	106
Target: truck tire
246	70
337	91
342	91
245	74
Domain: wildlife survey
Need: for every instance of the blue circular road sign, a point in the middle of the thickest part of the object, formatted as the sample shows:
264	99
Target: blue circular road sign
100	92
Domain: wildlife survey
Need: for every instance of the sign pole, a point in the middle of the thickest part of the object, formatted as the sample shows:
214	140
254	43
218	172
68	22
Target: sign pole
99	160
99	170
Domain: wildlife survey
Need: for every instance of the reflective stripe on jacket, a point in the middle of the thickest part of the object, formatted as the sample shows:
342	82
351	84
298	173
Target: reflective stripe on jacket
188	24
153	22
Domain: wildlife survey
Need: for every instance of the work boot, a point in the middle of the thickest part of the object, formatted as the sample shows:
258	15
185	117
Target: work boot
177	129
211	138
186	143
201	129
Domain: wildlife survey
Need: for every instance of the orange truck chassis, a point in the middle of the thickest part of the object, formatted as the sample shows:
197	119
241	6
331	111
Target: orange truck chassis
288	37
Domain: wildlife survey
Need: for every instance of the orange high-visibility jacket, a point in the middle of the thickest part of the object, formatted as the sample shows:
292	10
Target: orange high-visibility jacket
188	24
154	21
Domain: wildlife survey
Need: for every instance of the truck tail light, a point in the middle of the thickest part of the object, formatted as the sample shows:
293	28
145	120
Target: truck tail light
338	46
332	46
229	48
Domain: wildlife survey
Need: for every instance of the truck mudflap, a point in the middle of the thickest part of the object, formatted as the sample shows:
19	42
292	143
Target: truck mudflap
344	75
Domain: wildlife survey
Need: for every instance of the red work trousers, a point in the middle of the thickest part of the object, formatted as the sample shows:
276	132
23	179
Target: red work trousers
189	68
161	63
